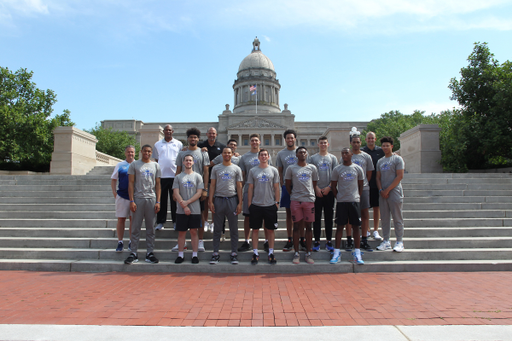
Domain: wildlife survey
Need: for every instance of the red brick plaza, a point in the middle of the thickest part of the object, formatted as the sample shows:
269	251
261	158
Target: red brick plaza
156	299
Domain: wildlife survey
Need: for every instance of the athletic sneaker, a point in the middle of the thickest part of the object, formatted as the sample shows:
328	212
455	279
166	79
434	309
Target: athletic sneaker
234	259
265	247
399	247
176	248
335	259
245	247
211	227
366	246
309	259
385	245
272	259
357	258
316	247
214	259
349	245
368	234
302	245
296	258
174	226
195	260
255	259
206	226
179	260
329	247
288	246
150	258
376	235
120	247
132	258
222	238
159	227
200	247
130	247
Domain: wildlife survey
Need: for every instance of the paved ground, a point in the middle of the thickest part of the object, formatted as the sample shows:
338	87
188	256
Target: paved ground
141	299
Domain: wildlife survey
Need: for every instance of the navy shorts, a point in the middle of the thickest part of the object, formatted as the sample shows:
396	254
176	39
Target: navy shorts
285	198
348	212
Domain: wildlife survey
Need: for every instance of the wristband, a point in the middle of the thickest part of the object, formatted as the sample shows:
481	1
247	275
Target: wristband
157	202
132	201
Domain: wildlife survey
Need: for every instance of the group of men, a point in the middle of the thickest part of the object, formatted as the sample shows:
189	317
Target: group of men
213	177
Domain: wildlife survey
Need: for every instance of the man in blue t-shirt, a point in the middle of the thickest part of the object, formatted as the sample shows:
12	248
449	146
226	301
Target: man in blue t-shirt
121	195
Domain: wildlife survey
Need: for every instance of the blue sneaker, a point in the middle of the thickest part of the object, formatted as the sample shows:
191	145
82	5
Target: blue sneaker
130	246
316	247
336	259
119	247
357	258
329	247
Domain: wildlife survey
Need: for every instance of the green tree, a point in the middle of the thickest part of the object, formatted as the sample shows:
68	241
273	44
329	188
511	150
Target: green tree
394	123
26	128
484	93
113	142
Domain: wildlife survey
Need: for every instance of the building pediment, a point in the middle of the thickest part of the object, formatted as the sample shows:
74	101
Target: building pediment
256	122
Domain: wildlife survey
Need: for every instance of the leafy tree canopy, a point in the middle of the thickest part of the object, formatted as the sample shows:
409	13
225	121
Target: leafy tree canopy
26	128
113	142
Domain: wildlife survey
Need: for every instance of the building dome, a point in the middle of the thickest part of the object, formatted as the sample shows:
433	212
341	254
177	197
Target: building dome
256	59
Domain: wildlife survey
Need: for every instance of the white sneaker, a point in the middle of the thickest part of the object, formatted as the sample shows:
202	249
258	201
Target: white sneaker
385	245
159	227
176	248
368	234
206	226
201	246
211	227
399	247
376	235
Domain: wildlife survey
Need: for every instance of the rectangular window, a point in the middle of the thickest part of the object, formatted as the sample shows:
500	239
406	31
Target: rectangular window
313	142
278	142
246	142
267	142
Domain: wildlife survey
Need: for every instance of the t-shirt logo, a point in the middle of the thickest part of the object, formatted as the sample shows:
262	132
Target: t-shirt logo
147	173
323	166
264	178
188	184
304	176
358	162
225	176
254	162
291	160
348	177
385	167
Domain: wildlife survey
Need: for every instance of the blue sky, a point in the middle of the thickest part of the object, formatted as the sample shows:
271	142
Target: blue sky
176	61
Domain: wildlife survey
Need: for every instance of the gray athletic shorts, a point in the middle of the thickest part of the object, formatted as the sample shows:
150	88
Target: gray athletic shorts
365	200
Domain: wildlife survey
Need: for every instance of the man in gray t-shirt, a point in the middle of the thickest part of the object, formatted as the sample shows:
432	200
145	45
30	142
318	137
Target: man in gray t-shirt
144	192
347	184
225	201
301	182
263	193
187	188
390	172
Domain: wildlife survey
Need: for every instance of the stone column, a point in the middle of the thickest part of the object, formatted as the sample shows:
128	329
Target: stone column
74	151
150	134
272	142
419	147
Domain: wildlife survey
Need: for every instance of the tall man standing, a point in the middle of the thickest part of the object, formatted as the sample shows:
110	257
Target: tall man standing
201	163
165	153
286	158
262	199
121	195
376	153
301	182
324	163
225	201
214	149
144	193
390	172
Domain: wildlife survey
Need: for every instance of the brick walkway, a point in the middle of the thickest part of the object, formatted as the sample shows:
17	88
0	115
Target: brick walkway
255	300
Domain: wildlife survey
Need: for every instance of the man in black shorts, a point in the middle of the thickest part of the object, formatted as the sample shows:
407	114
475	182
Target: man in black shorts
263	182
187	188
376	153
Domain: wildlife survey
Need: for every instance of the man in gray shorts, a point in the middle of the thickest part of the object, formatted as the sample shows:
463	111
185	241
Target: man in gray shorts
390	172
263	203
187	188
144	193
225	200
364	161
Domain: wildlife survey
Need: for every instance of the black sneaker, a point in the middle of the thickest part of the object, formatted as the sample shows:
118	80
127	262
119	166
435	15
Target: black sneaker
265	247
303	246
288	246
255	259
234	259
366	246
179	260
150	258
214	259
272	259
245	247
195	260
349	245
316	247
132	258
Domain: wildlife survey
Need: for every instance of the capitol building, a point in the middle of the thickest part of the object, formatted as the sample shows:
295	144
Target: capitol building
256	113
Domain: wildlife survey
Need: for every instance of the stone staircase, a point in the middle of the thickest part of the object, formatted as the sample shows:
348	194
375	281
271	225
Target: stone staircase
453	222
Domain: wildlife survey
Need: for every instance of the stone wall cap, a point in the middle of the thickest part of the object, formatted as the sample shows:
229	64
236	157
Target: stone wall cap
75	131
420	127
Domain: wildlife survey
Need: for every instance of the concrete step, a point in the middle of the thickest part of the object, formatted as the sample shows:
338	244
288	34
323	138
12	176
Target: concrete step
57	182
62	194
51	208
458	175
409	180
